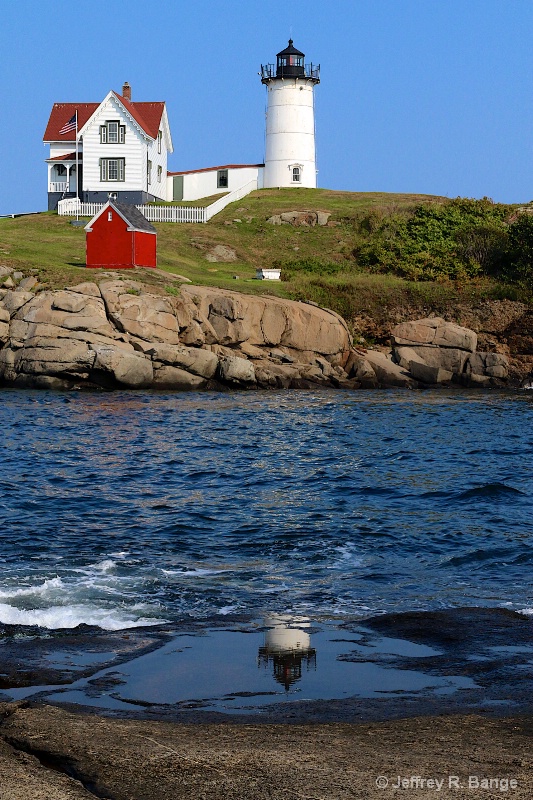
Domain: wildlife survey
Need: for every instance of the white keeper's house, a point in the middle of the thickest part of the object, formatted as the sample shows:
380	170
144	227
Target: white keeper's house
120	146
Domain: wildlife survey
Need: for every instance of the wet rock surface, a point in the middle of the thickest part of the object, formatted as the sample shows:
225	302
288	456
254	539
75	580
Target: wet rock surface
86	756
158	752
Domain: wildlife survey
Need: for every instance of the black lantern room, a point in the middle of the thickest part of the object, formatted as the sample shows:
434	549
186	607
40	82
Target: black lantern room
290	63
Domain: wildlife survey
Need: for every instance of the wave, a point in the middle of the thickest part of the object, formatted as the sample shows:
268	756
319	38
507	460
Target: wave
57	617
490	491
93	595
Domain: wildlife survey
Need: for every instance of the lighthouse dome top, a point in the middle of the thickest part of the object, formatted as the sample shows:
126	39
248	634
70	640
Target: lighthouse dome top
291	51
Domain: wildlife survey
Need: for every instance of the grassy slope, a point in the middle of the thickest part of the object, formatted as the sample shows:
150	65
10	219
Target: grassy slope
51	245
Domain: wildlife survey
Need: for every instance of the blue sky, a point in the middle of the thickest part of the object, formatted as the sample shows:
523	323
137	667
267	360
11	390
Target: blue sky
429	96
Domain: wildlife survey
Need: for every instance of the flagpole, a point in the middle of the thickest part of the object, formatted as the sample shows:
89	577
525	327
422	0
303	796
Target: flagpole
77	176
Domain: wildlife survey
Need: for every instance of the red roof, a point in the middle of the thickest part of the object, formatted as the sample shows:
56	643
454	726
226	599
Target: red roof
212	169
146	115
67	157
61	113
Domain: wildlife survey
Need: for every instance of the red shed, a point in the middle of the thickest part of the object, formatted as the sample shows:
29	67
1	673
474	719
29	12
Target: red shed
120	237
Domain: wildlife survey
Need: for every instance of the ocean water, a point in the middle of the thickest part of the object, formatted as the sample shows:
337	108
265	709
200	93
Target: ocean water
129	509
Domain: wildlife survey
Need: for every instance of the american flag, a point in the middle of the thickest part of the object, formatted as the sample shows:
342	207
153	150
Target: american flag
71	125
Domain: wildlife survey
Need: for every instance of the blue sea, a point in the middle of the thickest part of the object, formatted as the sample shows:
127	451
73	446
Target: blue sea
125	509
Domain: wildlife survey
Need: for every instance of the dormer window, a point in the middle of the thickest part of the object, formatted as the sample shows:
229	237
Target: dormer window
112	132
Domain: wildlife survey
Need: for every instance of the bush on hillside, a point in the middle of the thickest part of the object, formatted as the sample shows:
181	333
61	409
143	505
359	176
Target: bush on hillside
456	240
517	262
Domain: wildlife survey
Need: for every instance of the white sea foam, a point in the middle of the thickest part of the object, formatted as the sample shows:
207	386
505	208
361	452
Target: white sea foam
227	610
56	617
348	553
47	587
93	595
526	611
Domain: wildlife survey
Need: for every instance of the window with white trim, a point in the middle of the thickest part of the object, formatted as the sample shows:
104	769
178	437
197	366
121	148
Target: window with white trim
159	140
159	174
112	132
296	174
112	169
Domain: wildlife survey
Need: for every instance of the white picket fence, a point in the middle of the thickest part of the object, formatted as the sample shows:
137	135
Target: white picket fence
72	207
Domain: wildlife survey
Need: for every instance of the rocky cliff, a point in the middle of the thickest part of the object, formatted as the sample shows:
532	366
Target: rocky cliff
122	333
119	333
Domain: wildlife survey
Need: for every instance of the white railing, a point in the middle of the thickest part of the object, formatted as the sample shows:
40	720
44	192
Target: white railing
232	197
72	206
58	186
173	213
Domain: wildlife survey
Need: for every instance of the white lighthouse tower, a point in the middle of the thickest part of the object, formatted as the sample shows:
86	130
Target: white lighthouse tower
290	157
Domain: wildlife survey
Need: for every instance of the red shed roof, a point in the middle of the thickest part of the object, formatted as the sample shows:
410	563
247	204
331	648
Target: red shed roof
146	115
131	215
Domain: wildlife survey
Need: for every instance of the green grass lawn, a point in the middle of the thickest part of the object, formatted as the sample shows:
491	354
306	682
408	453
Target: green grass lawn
56	249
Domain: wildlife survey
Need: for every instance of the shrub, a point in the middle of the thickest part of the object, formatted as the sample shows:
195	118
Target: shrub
457	240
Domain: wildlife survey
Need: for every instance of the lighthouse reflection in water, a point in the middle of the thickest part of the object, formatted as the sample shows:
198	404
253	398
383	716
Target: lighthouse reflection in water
287	646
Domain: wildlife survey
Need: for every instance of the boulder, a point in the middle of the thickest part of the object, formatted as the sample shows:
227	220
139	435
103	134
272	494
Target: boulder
67	310
4	332
28	283
200	362
359	369
434	331
300	218
405	355
492	365
166	377
140	314
387	373
15	300
129	369
222	253
269	374
87	288
56	356
235	370
68	301
426	374
447	358
270	321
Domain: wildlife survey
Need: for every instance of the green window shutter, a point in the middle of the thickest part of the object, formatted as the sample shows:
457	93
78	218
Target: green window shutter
103	169
122	134
121	169
103	134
